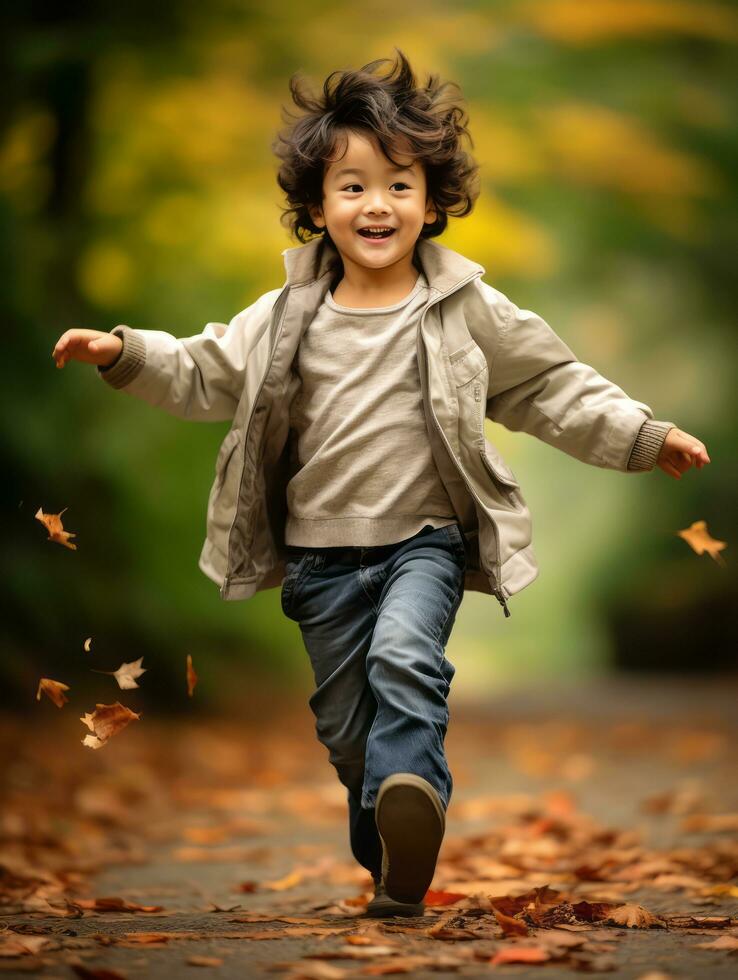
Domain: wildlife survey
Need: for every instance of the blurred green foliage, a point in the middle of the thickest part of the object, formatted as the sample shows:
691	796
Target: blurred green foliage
137	186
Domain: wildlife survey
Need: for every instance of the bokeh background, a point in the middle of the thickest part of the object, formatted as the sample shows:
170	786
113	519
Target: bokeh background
137	186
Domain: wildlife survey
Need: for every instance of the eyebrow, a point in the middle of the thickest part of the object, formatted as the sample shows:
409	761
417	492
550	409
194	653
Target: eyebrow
355	170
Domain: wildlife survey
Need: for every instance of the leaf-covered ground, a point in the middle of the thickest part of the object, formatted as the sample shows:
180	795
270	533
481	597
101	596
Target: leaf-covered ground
591	829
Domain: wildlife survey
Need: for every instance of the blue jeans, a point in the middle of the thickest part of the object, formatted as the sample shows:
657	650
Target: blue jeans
375	622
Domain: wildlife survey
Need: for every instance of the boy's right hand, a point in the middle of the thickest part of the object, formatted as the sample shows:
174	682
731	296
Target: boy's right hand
90	346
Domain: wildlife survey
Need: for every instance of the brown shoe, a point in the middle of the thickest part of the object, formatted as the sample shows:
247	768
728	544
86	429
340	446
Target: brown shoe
411	821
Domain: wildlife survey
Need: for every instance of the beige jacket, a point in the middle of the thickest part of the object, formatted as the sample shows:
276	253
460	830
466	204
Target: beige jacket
478	355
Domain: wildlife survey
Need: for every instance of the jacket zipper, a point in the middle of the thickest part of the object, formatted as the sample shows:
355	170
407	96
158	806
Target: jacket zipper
499	591
276	316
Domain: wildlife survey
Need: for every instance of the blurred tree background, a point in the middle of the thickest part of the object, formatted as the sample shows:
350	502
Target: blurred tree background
137	186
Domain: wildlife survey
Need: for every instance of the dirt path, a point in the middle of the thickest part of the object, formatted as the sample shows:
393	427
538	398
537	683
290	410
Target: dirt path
572	808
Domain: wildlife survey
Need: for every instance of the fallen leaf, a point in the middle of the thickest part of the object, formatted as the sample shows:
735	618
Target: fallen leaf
634	916
698	538
115	904
54	690
711	823
53	524
520	954
509	925
205	961
126	674
12	945
722	942
96	973
442	898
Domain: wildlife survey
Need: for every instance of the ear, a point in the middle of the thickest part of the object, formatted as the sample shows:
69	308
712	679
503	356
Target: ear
430	213
316	213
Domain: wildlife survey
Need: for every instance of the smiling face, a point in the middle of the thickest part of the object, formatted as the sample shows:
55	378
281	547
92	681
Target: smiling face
363	189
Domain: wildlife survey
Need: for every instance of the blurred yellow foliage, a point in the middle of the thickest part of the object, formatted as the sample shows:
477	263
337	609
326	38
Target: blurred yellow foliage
505	150
25	175
105	274
594	145
504	241
586	21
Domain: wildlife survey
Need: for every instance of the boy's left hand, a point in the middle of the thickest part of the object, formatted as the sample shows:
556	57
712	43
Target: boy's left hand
679	451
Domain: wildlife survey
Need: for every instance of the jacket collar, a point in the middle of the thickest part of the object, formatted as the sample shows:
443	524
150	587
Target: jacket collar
443	268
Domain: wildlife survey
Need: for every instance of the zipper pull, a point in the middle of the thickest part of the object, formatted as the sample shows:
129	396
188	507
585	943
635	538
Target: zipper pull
501	600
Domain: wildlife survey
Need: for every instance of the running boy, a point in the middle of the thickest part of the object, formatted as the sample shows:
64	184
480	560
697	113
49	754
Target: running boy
356	472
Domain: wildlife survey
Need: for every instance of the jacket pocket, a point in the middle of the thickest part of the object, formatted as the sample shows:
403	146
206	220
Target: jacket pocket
466	363
469	374
497	466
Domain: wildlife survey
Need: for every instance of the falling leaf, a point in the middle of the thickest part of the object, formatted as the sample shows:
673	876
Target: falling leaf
107	720
191	676
699	539
53	524
53	690
88	644
126	674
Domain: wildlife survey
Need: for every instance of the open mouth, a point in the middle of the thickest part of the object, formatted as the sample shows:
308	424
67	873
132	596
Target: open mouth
366	233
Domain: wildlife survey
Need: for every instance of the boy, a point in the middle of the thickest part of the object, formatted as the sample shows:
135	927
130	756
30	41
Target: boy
356	472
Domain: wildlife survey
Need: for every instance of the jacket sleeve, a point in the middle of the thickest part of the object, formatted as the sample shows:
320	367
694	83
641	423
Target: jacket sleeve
537	385
198	378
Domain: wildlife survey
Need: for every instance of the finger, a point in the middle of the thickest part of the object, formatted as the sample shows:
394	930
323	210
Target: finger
671	470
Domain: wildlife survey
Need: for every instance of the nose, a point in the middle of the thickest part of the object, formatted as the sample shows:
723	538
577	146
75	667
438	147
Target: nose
377	204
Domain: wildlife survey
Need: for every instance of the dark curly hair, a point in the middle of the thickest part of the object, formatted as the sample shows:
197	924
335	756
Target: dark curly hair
395	111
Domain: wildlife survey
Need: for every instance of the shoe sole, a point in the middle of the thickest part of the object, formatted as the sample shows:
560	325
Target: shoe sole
384	908
411	823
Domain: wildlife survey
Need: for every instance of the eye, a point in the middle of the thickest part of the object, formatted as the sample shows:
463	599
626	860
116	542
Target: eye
350	187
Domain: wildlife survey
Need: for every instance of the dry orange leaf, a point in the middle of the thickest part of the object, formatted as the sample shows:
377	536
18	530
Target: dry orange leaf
442	898
280	884
105	721
634	915
520	954
509	925
191	676
115	904
126	674
53	524
204	961
53	690
722	942
699	539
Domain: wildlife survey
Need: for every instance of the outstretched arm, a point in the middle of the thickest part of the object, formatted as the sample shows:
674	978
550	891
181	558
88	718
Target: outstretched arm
537	385
198	378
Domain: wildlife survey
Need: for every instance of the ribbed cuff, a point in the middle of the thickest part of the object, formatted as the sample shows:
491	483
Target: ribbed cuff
647	445
130	360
